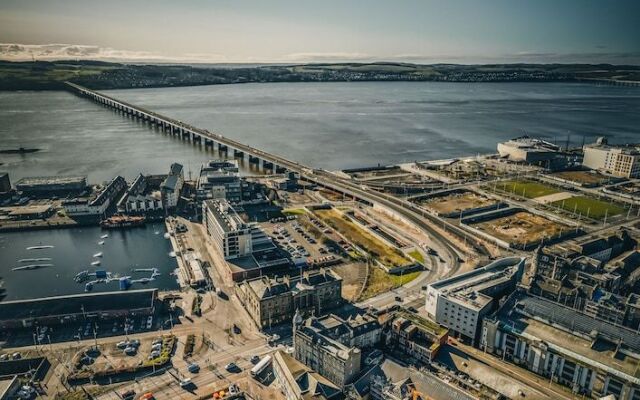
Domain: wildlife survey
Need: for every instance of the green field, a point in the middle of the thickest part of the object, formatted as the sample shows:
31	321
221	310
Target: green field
528	189
594	208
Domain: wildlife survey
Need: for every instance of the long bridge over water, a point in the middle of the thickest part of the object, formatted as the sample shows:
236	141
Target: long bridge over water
276	164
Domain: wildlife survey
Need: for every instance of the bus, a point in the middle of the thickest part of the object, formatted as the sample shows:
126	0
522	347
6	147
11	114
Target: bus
261	366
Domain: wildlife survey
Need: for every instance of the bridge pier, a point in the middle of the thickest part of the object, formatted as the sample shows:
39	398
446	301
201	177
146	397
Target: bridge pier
223	148
196	138
209	143
238	154
280	170
254	160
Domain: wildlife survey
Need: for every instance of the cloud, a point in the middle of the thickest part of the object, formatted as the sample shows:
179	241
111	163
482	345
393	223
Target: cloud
326	57
51	52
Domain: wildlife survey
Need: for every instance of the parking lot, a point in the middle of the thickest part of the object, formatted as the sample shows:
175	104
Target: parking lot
299	241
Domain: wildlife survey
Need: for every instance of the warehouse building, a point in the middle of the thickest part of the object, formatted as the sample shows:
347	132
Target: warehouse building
50	185
57	310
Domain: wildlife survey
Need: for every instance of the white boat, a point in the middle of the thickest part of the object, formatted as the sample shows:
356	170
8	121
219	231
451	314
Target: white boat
24	260
31	266
167	235
96	262
97	255
172	254
101	242
106	235
40	247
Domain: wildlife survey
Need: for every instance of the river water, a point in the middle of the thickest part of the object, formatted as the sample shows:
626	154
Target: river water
328	125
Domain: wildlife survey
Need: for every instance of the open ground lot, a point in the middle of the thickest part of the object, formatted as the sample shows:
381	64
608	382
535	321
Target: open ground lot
363	239
521	228
528	189
589	207
458	202
589	178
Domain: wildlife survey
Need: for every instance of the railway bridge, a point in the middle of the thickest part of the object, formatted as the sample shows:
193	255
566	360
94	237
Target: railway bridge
276	164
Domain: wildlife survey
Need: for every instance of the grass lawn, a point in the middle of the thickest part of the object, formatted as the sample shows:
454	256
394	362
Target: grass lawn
527	189
595	208
293	211
363	239
399	280
416	255
379	282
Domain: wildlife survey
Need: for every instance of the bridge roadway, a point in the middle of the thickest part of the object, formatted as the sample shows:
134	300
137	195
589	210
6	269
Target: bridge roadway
421	218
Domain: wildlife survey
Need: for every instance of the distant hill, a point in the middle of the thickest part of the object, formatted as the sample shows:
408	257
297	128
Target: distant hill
42	75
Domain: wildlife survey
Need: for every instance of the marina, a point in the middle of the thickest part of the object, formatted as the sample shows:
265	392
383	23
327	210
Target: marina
129	259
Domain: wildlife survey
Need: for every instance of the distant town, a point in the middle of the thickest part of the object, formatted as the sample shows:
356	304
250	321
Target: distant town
45	75
506	275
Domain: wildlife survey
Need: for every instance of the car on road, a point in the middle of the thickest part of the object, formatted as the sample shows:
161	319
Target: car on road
236	329
146	396
232	367
185	383
255	359
130	351
398	299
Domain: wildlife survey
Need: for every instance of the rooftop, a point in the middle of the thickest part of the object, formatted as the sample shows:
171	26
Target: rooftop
573	333
75	304
266	287
468	287
531	144
225	215
51	180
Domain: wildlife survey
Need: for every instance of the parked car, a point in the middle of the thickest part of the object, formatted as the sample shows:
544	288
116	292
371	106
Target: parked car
129	394
193	368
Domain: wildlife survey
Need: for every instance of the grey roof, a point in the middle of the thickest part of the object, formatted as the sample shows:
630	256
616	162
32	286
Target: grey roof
569	318
74	304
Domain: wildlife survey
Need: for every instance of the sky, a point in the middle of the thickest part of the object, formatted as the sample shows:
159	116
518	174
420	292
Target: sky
264	31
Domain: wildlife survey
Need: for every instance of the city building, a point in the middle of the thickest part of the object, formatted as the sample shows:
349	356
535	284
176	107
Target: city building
413	335
272	301
536	152
337	362
391	380
622	161
59	310
5	182
361	331
28	212
51	185
590	356
220	179
141	197
229	232
172	185
299	382
97	203
460	302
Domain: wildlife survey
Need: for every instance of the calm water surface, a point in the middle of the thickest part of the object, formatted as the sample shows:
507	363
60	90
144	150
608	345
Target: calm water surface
123	251
328	125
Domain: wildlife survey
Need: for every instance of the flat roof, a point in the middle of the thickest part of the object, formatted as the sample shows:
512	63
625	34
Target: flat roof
577	335
49	180
467	287
91	303
225	215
